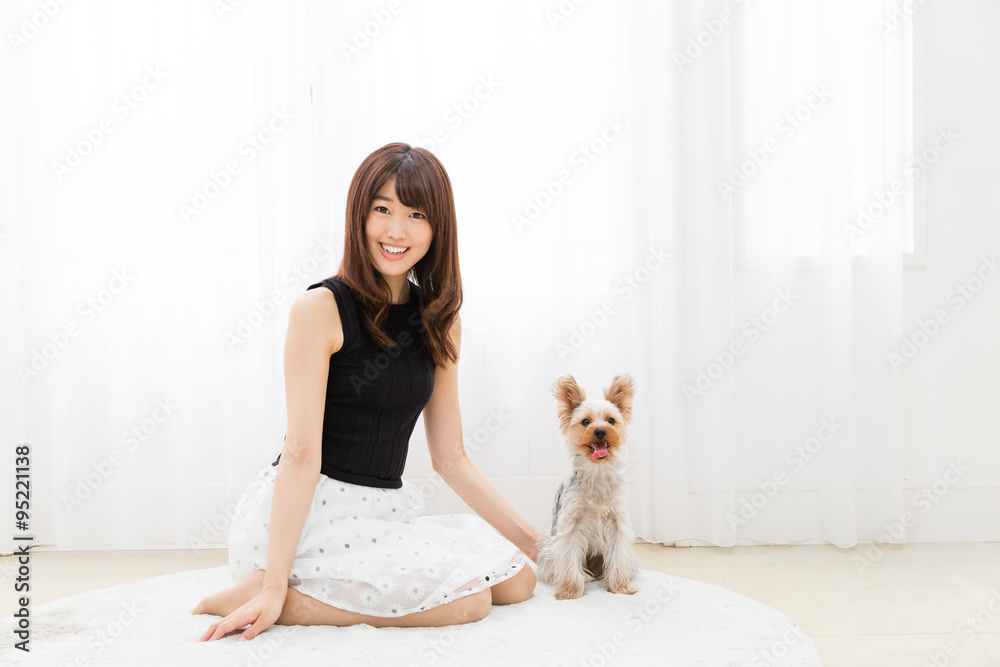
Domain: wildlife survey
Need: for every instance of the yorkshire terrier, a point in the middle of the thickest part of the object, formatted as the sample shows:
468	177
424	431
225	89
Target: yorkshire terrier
592	536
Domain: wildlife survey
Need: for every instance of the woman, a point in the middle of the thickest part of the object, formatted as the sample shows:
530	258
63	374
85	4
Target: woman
329	533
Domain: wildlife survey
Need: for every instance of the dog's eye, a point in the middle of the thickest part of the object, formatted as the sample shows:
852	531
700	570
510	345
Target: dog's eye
586	422
611	420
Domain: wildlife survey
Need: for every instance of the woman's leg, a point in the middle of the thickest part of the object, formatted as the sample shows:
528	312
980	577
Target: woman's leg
301	609
516	589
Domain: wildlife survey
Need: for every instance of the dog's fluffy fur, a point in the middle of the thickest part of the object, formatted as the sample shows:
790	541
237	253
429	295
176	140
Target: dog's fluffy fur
592	534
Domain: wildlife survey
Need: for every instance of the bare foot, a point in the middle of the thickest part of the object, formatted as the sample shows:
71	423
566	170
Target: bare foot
226	601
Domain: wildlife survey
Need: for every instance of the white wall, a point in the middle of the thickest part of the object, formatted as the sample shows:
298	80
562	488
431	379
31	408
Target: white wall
952	385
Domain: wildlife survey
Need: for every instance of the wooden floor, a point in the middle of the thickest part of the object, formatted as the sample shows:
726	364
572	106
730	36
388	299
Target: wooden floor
919	604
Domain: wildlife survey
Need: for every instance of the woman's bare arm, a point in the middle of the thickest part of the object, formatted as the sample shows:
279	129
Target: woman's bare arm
443	424
314	333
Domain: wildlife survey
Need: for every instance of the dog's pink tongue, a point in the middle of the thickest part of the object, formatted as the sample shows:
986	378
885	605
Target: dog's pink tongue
599	454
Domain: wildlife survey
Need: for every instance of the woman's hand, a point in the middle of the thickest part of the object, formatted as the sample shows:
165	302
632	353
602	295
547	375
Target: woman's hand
260	613
532	550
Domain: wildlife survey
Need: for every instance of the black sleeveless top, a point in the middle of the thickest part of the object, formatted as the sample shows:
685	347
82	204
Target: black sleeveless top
373	398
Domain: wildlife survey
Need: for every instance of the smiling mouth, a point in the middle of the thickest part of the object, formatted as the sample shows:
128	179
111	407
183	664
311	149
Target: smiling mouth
600	450
392	251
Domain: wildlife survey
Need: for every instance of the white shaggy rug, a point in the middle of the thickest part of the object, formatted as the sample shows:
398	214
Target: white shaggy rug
670	621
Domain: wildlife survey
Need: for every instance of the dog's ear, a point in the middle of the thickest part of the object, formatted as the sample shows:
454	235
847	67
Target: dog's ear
620	393
569	395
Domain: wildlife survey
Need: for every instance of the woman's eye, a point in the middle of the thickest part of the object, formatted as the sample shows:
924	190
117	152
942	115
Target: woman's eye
418	214
586	422
381	209
611	420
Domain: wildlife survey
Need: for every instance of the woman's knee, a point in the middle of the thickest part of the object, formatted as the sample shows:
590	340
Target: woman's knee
471	608
518	588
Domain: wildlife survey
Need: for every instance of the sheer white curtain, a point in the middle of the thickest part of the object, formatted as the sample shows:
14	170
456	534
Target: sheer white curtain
176	177
772	415
595	238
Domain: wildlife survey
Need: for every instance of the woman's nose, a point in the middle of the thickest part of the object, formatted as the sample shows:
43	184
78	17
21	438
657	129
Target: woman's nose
396	228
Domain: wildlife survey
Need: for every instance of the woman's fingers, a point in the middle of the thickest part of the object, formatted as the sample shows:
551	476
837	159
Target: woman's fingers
237	619
258	627
535	549
209	632
234	621
260	614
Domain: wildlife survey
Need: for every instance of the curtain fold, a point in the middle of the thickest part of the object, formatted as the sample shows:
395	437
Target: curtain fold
672	189
786	424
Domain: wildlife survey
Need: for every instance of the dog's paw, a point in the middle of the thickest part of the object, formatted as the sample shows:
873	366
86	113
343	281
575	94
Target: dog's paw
622	589
569	593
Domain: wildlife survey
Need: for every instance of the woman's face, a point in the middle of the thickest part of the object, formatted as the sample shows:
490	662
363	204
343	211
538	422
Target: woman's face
398	236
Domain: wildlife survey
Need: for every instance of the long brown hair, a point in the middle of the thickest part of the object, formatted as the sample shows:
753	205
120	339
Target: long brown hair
421	183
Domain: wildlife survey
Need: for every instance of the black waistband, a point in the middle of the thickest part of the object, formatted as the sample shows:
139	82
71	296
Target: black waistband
351	478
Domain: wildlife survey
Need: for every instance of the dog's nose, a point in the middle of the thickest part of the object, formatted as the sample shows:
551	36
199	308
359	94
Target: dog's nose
599	433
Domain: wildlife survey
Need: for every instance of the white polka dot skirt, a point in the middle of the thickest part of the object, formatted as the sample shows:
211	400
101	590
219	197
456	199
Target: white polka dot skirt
369	551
